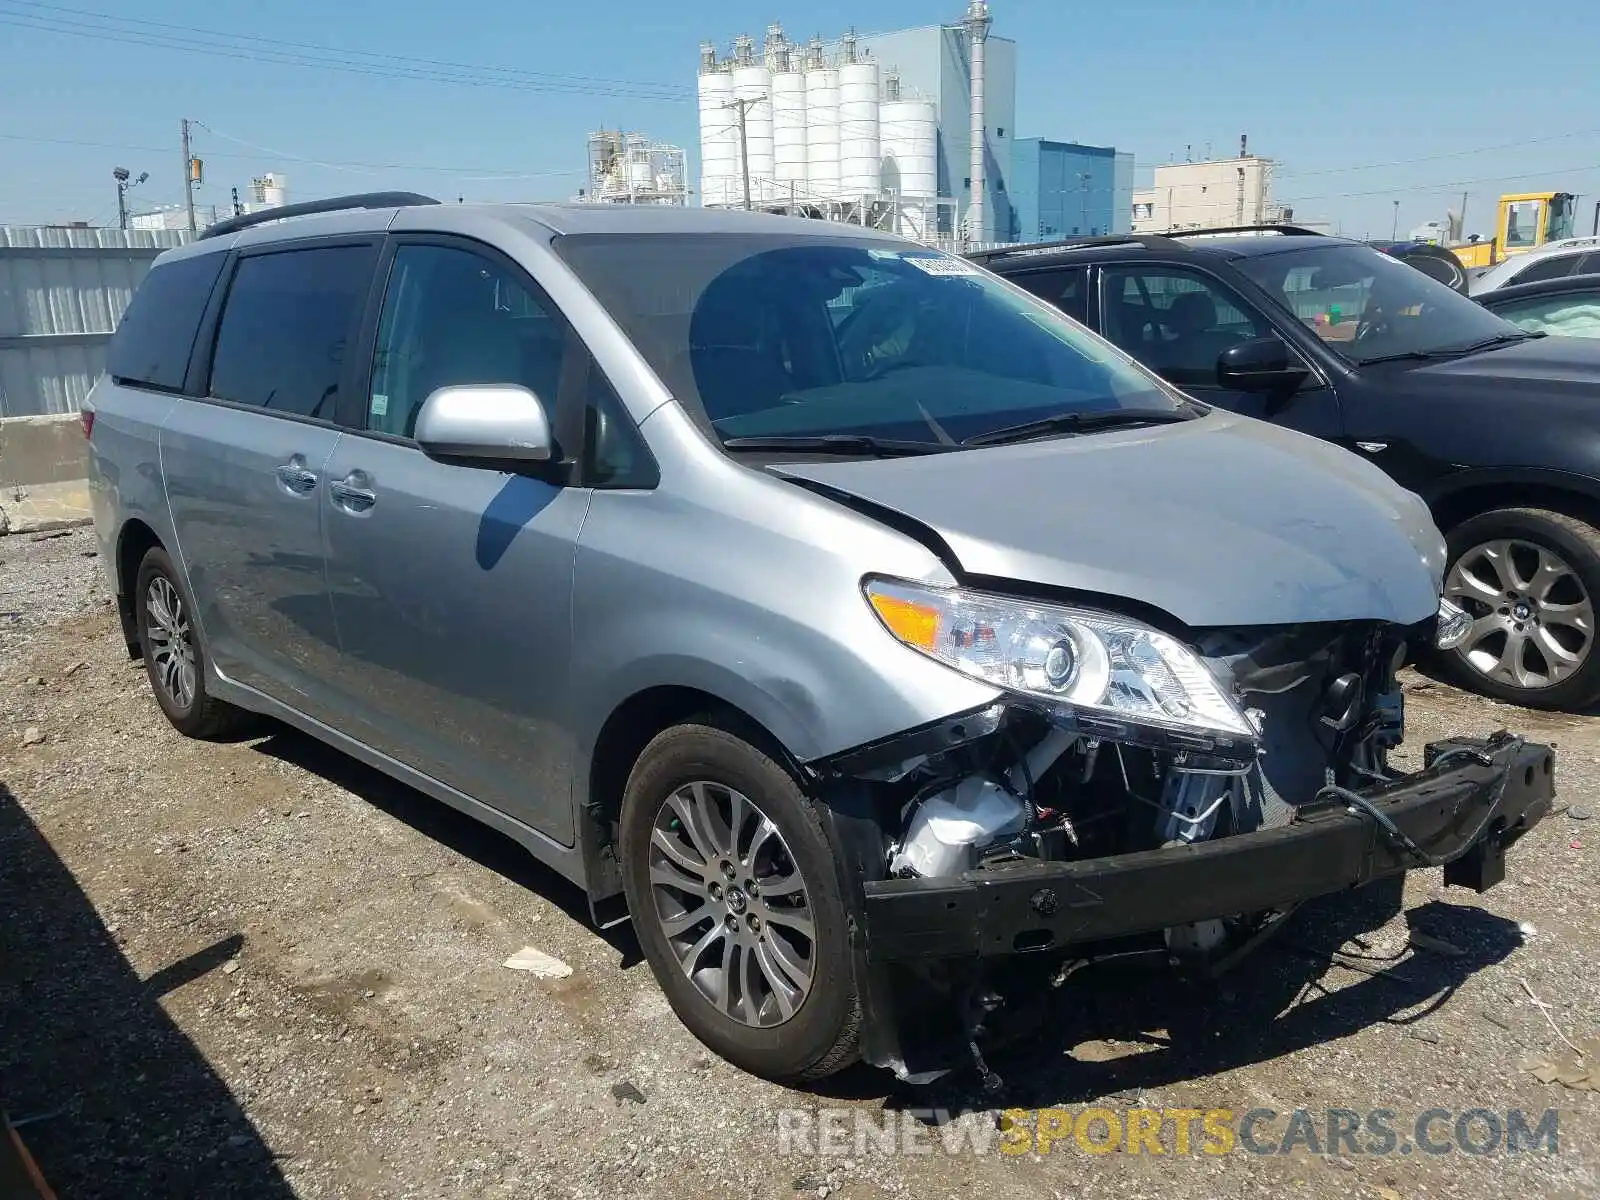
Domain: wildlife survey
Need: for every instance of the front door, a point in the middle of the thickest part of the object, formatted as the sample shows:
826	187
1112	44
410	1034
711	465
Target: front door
246	468
1178	321
452	584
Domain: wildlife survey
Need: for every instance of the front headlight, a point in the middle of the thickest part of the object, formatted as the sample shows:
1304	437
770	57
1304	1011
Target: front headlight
1090	661
1453	626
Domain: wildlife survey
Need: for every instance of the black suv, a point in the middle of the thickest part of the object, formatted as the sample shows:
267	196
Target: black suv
1496	427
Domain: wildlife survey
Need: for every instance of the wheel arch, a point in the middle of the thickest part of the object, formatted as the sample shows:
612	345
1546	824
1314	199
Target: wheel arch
631	725
134	541
1474	493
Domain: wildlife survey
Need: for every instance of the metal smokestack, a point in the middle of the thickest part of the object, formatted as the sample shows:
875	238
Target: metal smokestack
977	23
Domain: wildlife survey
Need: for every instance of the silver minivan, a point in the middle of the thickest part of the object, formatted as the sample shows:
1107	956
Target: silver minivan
877	639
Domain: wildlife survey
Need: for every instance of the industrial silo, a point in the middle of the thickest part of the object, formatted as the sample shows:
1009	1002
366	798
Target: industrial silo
719	132
752	84
910	171
859	148
789	125
822	125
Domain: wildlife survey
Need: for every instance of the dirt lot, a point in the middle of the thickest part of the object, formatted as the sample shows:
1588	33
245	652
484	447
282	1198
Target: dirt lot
259	969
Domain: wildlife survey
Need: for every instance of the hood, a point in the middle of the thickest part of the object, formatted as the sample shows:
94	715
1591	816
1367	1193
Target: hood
1553	366
1218	521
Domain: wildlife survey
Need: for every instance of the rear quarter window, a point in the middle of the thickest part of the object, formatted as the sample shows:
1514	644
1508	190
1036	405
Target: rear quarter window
153	342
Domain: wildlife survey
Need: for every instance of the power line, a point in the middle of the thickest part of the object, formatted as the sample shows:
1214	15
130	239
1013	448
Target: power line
1449	183
333	61
485	172
380	56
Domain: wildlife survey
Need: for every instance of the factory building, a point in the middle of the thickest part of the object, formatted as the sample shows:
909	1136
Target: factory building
1063	189
1208	195
875	130
628	168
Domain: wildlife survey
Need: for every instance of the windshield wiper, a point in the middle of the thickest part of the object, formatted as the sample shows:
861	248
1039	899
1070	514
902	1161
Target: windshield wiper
1499	339
1080	422
836	443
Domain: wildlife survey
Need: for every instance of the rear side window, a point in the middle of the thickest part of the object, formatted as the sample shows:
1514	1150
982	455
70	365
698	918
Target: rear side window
156	336
287	325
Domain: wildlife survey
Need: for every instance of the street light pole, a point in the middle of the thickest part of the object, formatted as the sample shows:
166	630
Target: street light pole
1394	235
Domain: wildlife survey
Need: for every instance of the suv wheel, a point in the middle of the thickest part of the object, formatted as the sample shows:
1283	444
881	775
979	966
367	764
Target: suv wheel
737	902
173	656
1530	578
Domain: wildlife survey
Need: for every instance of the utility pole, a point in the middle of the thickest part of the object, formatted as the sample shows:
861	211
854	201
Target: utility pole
188	175
1394	235
744	106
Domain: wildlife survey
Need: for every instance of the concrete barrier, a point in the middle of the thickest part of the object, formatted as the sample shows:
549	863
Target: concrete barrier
35	450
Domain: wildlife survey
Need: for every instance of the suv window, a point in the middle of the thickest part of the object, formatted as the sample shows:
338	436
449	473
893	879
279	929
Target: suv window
451	316
156	335
1572	314
1065	289
1556	266
288	319
1175	321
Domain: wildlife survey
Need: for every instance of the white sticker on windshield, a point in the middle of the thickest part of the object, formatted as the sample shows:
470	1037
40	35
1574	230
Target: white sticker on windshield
940	265
380	404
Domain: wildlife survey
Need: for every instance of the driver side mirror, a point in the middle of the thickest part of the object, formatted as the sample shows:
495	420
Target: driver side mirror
1261	365
485	424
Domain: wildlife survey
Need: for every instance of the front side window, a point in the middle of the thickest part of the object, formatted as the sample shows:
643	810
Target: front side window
451	316
1522	224
1571	314
1367	305
762	335
287	322
1175	321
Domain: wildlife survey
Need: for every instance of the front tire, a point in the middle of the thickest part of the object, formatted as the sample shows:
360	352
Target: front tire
174	659
736	897
1530	578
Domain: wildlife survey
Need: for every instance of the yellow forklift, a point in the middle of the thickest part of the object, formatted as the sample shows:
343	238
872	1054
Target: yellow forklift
1525	221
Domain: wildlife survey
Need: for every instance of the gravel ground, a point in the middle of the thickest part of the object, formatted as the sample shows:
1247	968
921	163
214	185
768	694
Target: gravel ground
259	969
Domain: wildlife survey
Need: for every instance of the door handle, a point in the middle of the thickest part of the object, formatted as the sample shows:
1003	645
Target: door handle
295	478
349	495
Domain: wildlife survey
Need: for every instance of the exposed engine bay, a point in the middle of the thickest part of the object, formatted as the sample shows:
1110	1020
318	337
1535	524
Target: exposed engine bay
1323	700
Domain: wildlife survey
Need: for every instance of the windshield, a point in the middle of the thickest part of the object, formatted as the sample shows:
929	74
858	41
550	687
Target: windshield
1368	305
787	337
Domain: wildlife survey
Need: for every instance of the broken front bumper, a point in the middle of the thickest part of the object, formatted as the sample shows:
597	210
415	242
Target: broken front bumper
1473	799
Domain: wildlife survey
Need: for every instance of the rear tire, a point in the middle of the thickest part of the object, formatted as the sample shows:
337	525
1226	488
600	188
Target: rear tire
762	975
1530	578
174	658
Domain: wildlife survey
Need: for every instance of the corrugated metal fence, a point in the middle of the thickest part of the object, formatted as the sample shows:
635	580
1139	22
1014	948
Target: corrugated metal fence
62	292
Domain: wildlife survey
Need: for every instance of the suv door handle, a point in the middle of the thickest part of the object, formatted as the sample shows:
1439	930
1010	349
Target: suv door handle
295	478
349	495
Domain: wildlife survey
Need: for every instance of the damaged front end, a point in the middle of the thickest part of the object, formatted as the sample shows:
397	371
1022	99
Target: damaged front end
1137	790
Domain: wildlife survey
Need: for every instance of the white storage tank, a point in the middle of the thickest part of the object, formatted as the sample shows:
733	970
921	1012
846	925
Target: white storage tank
754	83
822	131
789	131
909	133
860	161
719	140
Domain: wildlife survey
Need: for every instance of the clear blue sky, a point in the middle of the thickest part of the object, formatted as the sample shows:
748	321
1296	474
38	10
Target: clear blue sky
1362	102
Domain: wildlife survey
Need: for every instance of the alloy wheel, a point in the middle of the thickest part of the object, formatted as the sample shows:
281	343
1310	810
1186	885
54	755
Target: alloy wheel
171	641
1533	620
732	904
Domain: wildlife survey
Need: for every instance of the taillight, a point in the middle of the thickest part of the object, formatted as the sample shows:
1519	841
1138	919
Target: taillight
86	415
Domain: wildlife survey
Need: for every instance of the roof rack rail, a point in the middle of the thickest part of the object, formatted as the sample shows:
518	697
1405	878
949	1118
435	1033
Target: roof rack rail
1286	230
308	207
1077	243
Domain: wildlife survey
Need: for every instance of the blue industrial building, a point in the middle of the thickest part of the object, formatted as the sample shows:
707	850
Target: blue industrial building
1062	189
